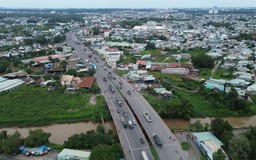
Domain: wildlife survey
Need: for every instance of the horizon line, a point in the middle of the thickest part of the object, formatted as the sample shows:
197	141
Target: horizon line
58	8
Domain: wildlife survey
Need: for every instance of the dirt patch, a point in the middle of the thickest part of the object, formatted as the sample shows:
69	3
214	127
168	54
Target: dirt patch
93	99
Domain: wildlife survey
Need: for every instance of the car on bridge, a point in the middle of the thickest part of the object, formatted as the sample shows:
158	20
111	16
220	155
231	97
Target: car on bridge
119	102
130	124
142	141
157	140
148	118
111	89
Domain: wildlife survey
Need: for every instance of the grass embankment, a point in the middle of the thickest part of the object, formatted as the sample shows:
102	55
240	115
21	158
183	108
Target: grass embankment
29	105
185	145
204	108
121	72
154	153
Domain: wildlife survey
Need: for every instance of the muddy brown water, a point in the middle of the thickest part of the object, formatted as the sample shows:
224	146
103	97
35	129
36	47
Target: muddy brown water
60	132
236	122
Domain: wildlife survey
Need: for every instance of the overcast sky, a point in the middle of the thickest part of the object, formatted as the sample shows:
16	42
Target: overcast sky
125	3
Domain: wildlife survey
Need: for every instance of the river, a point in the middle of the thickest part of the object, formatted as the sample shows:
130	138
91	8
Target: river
60	132
236	122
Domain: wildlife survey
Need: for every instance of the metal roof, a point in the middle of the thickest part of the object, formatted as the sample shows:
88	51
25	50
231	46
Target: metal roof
10	84
70	152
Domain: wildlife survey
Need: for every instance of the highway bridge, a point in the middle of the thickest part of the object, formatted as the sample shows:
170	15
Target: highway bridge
134	107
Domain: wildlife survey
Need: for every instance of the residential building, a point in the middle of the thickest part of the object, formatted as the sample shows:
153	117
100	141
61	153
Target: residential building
71	154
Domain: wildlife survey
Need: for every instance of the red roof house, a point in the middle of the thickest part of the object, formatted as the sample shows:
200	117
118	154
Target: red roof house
86	83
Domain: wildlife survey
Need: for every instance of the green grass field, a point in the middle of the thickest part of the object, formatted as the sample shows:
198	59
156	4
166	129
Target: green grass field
185	145
29	105
204	108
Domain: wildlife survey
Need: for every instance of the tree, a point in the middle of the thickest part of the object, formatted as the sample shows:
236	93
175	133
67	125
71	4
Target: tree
196	126
202	61
218	126
251	135
150	46
63	64
60	49
11	144
36	138
72	72
219	155
3	136
59	38
96	30
106	152
239	148
4	64
28	70
100	129
91	71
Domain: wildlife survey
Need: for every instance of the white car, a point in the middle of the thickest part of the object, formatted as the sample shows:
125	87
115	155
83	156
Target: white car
134	122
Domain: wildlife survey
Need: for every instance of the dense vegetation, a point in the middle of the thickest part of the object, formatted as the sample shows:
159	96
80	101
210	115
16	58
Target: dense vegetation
246	36
171	108
91	138
36	138
9	144
103	144
228	100
107	152
237	146
202	61
32	105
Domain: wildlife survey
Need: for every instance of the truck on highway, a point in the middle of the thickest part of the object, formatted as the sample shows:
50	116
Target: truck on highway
123	121
130	124
144	155
157	140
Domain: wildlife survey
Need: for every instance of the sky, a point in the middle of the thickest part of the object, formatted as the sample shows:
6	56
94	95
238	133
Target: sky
125	3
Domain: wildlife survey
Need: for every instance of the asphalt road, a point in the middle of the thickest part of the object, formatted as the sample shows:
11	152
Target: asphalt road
171	149
129	138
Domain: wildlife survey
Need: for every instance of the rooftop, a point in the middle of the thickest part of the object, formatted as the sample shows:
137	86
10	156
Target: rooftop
86	83
71	152
207	136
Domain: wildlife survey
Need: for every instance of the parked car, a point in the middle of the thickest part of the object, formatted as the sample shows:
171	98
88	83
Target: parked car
134	122
117	110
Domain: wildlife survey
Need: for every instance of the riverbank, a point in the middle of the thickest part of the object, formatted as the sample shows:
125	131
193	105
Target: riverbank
61	132
236	122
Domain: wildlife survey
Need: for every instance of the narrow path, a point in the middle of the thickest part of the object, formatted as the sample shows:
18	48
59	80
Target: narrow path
185	90
93	100
216	67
